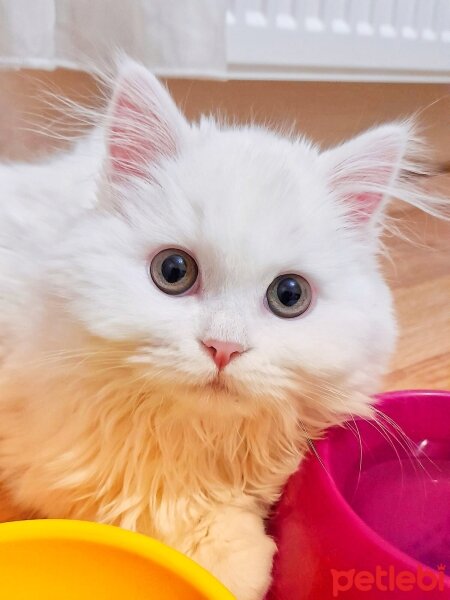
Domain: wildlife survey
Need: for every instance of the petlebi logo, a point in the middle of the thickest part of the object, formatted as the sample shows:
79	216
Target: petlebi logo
388	579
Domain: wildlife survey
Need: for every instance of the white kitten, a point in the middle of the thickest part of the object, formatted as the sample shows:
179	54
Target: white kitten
180	410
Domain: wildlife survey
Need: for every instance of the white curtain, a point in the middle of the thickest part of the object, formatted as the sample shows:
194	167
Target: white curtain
172	37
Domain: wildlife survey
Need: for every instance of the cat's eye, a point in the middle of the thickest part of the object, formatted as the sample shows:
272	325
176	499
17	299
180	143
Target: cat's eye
289	296
173	271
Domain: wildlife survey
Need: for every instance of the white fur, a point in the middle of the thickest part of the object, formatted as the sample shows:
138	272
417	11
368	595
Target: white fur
108	406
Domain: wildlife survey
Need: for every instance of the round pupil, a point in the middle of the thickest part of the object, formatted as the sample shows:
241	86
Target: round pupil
289	291
174	268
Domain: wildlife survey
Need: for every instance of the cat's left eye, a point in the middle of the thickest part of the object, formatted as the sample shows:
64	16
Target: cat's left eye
173	271
289	296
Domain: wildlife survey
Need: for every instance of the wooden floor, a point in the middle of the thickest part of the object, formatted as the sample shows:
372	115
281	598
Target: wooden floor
419	275
418	270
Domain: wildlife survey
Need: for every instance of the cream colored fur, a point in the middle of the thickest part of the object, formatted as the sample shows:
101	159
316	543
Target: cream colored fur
110	409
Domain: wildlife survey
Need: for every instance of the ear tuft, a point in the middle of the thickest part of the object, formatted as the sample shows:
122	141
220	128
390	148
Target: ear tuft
143	124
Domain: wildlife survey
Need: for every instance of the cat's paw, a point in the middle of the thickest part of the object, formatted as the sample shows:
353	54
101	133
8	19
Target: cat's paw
238	552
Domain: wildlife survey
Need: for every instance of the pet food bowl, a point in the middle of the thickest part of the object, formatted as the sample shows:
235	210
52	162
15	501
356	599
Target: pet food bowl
74	560
369	516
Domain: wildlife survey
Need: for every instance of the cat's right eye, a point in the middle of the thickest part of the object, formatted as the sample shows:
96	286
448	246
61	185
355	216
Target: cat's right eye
173	271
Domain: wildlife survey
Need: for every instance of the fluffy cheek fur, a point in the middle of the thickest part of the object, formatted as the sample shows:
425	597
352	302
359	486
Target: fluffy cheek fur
319	367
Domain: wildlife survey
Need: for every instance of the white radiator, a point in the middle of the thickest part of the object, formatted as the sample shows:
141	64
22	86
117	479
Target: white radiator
371	40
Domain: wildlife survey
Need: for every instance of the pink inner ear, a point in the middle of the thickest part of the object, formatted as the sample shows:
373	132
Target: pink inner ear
138	136
364	206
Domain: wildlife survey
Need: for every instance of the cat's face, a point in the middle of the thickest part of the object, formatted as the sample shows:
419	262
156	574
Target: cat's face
247	207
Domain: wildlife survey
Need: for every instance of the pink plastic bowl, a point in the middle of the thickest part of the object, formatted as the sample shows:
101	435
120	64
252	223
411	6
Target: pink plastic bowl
371	519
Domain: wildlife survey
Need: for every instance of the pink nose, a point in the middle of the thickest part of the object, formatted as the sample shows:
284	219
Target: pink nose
223	352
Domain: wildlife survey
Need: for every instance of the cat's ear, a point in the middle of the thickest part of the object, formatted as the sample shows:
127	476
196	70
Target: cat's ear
363	172
143	124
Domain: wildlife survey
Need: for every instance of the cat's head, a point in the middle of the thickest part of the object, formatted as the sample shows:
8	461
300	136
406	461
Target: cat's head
233	269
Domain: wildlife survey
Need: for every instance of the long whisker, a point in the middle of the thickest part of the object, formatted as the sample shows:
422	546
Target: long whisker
409	446
312	447
360	461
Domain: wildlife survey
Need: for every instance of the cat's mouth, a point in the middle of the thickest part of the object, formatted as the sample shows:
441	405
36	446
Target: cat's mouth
218	384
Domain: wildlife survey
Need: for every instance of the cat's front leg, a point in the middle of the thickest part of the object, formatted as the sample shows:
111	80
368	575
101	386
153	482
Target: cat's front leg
236	549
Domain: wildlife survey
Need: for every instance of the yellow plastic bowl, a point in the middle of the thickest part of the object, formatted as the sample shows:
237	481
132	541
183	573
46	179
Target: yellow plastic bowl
77	560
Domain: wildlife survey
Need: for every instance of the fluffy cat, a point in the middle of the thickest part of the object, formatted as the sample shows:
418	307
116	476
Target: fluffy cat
182	308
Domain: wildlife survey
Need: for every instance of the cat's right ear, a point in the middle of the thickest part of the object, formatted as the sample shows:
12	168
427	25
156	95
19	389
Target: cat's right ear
143	124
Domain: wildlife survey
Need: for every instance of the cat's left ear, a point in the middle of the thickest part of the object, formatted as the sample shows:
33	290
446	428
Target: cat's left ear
363	172
143	124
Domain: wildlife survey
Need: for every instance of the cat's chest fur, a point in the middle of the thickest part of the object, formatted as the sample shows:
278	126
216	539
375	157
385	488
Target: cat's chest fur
113	453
